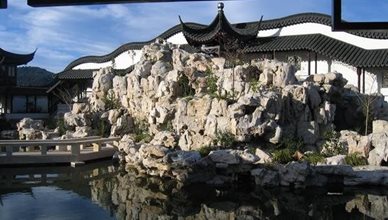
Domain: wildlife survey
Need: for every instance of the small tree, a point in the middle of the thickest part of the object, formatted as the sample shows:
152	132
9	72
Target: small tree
367	103
65	94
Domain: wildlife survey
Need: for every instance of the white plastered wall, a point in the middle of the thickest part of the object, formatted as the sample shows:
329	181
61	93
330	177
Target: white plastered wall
314	28
373	77
178	38
122	61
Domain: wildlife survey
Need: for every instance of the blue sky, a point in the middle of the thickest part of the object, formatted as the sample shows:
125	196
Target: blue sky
62	34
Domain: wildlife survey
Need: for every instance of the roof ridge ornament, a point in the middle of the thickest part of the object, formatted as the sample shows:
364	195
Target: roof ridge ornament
220	6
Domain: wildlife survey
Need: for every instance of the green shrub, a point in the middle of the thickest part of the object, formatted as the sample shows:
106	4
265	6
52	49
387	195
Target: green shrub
205	150
61	126
211	81
141	132
103	128
185	87
111	102
314	158
254	85
332	146
283	156
167	126
146	137
225	139
355	159
293	144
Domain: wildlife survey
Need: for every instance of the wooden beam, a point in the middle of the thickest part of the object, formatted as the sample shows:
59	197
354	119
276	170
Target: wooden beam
316	62
309	63
363	80
3	4
359	79
45	3
339	25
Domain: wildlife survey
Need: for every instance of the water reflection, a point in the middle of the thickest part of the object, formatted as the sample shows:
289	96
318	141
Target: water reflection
131	197
100	191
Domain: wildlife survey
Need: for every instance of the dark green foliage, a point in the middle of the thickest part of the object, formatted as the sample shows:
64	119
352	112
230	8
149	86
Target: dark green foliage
314	158
167	126
5	125
355	159
211	80
285	150
61	126
293	144
33	76
111	102
254	85
283	156
204	151
185	87
225	139
103	128
141	132
332	146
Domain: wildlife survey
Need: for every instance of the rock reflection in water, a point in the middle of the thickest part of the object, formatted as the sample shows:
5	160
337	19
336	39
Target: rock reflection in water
129	196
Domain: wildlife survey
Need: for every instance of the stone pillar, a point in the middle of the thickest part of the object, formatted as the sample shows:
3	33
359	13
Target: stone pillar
75	152
43	150
97	146
61	148
9	150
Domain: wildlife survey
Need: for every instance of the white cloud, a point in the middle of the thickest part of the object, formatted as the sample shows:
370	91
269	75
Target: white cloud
62	34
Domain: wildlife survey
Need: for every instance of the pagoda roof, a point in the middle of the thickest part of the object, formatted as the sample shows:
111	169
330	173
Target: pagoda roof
219	27
13	58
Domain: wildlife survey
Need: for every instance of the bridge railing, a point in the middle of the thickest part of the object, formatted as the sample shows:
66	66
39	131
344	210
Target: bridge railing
72	145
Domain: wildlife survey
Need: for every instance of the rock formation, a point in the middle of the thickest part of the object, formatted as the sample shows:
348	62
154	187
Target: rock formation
175	104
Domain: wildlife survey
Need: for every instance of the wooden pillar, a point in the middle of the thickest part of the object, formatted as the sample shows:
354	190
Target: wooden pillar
363	80
316	63
359	79
309	63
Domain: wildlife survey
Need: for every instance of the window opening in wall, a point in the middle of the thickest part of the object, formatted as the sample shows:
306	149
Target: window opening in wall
295	61
384	83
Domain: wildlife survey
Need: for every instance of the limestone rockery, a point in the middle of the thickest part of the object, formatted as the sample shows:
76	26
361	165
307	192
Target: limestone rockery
191	116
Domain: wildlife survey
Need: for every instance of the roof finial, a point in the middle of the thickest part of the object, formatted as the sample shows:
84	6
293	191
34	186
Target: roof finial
220	6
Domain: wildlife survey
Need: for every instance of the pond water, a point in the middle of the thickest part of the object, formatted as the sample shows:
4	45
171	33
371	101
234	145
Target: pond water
101	191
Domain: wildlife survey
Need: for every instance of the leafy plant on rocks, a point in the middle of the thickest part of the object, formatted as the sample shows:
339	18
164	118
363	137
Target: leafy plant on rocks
314	158
103	128
225	139
332	145
185	87
254	84
111	102
294	144
211	80
141	132
282	156
167	126
61	126
205	150
355	159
